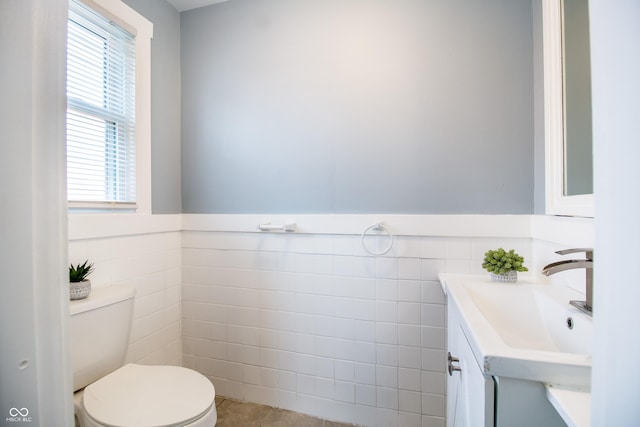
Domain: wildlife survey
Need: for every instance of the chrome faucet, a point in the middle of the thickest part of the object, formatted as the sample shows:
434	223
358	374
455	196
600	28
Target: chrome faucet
587	264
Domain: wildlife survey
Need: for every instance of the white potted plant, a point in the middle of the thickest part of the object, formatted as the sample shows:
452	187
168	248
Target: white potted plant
79	285
503	265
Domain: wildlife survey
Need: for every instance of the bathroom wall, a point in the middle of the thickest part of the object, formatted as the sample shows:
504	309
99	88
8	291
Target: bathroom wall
35	367
143	253
165	104
616	89
358	107
538	111
312	322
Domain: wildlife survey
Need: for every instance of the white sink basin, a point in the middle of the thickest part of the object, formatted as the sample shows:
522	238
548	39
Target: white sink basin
526	330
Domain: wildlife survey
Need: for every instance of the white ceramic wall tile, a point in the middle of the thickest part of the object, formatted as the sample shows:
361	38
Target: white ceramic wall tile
458	248
305	384
410	268
433	315
432	293
365	414
344	287
434	247
386	417
364	288
365	394
387	289
365	373
344	391
387	332
233	389
433	382
429	421
409	291
365	330
251	375
409	335
409	313
343	245
434	337
433	360
386	268
387	397
344	370
309	315
319	325
433	404
408	247
410	401
409	379
364	266
343	265
269	380
387	354
431	268
387	311
409	357
323	264
409	419
151	263
364	352
323	367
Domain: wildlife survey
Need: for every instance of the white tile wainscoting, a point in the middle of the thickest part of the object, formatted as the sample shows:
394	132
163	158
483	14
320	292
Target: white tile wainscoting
313	323
143	253
306	321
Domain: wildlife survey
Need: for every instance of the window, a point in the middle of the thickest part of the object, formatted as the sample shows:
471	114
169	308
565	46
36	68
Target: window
107	112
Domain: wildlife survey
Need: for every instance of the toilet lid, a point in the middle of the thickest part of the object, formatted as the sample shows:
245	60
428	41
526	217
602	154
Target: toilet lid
151	396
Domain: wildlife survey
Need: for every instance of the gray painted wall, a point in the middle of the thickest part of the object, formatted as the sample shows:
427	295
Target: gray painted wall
293	106
538	112
35	366
165	104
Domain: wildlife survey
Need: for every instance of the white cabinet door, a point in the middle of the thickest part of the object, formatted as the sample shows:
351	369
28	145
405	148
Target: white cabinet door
470	394
456	393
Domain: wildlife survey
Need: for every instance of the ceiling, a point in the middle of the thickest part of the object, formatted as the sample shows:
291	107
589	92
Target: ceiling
182	5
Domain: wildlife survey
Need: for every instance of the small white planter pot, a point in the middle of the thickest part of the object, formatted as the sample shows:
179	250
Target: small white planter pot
508	277
79	290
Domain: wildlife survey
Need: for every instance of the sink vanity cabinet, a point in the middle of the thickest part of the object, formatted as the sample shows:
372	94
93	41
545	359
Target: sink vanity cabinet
470	393
492	386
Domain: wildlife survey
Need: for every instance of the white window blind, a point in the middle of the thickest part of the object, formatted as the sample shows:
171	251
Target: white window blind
101	148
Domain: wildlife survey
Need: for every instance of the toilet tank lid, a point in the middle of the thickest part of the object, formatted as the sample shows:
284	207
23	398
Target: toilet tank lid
100	297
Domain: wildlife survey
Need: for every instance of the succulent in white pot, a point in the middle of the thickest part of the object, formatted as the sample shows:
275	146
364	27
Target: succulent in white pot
79	285
503	265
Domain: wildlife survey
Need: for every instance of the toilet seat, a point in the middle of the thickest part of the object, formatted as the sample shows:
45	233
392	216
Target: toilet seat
153	396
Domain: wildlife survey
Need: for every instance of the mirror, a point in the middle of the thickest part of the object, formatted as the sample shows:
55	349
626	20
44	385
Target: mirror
578	159
567	98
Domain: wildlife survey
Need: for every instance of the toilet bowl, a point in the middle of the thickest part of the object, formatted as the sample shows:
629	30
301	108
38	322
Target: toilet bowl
139	395
109	394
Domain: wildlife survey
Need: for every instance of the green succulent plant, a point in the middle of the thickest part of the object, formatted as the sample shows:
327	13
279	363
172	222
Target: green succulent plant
80	271
500	261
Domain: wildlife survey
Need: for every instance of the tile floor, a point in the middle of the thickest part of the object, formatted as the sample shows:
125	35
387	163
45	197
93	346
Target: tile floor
232	413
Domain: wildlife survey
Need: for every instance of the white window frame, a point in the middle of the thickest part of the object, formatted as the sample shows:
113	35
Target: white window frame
142	29
556	202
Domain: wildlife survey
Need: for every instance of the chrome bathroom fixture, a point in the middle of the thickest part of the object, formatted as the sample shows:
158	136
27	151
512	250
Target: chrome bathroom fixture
570	264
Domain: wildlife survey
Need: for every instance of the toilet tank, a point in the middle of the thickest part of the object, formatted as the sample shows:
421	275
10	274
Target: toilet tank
100	328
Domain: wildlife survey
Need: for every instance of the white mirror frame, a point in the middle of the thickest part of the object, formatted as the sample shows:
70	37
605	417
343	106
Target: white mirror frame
556	202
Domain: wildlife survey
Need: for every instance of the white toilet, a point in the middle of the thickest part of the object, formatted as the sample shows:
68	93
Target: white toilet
109	394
